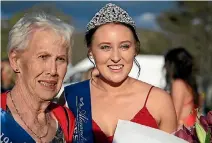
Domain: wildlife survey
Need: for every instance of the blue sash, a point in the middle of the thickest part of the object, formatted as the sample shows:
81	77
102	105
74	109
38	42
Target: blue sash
78	99
11	131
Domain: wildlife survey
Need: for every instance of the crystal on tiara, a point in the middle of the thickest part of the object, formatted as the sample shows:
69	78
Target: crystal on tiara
110	13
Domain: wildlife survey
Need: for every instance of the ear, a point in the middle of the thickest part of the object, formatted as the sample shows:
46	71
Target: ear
90	54
135	54
14	60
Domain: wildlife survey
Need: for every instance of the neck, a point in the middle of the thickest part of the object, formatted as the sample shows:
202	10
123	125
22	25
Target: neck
108	86
27	101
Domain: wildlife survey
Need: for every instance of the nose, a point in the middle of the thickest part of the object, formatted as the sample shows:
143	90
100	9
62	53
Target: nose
115	55
52	68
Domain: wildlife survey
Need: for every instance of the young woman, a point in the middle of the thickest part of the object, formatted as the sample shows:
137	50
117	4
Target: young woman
113	44
181	80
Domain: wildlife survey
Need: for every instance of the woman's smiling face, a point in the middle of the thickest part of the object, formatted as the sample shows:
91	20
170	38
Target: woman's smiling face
113	49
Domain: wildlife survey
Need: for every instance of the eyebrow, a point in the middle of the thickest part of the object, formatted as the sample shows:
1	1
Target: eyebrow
47	53
110	43
127	41
106	43
42	52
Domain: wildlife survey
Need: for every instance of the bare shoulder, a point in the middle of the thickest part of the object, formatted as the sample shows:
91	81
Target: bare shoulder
157	92
158	97
160	106
178	84
140	84
161	96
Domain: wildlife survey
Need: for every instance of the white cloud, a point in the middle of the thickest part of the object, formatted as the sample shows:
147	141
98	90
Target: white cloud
147	17
146	20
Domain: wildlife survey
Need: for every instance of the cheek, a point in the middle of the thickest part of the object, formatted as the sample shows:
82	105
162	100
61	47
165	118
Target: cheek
32	69
101	58
62	69
129	57
25	68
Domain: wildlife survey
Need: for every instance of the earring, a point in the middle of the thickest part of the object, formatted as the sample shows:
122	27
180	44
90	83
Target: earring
90	56
16	70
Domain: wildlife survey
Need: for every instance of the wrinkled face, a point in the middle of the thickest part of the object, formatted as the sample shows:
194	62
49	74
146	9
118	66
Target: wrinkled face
113	49
43	64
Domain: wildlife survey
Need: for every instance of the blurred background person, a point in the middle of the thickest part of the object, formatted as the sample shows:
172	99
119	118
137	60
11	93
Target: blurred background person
90	73
39	49
182	84
87	74
7	76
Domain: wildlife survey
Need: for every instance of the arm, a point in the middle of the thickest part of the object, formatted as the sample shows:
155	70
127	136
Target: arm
178	89
168	119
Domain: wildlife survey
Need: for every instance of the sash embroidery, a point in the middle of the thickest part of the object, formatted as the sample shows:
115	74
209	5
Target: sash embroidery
11	131
78	99
81	118
4	139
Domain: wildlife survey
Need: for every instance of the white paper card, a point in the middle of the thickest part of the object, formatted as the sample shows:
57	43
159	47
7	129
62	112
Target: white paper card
130	132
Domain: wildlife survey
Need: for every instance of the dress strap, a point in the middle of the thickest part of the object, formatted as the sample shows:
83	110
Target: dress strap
4	100
148	96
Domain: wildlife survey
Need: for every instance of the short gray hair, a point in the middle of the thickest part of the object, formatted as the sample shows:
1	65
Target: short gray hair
20	32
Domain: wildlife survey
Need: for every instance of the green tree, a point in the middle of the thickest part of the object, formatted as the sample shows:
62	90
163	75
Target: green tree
189	25
153	42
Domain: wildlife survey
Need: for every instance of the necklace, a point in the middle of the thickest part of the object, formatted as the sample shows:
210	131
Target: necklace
40	137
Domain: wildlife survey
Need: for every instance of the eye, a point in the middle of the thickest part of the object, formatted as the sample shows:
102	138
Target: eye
125	46
43	57
61	59
105	47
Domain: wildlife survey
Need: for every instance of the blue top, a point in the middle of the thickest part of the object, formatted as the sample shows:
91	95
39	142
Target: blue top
12	132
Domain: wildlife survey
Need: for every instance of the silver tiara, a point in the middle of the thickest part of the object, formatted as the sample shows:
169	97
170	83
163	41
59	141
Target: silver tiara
110	13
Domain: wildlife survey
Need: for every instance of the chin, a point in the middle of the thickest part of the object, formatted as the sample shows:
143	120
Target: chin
118	80
47	96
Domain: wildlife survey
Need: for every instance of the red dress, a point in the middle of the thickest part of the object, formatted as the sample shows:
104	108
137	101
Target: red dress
190	120
143	117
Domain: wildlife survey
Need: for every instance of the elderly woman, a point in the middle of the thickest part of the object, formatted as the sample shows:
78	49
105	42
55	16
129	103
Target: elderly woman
38	49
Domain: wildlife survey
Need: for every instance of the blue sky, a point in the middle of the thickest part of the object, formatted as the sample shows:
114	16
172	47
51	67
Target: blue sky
143	12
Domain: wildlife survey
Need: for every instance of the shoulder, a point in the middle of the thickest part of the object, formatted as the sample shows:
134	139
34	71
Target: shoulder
159	102
161	95
157	95
179	89
178	84
139	84
163	104
155	91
